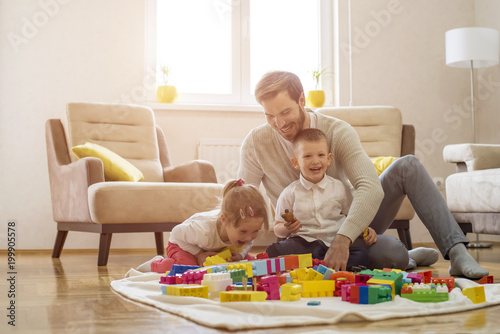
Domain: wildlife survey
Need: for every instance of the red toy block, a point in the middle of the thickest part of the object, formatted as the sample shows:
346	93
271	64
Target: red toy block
338	286
449	281
362	278
261	256
317	262
426	276
486	280
354	298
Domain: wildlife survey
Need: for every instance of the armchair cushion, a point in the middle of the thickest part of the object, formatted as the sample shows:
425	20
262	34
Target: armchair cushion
115	167
476	191
381	163
150	202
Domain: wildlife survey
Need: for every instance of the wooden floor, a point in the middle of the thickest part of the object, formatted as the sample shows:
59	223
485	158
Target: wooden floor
73	295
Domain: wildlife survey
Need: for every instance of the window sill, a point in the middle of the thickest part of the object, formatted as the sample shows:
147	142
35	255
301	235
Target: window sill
204	107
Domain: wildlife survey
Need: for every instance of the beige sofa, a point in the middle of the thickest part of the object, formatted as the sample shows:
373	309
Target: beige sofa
382	133
473	193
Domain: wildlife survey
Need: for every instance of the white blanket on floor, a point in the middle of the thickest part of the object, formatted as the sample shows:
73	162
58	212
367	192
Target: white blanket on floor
144	288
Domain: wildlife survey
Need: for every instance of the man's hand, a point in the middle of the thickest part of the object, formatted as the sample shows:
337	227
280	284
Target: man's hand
337	255
293	227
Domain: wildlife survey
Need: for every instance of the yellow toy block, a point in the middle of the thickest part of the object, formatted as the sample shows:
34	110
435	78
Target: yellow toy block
476	294
243	296
225	254
290	292
305	260
242	265
313	275
191	290
298	275
214	260
315	289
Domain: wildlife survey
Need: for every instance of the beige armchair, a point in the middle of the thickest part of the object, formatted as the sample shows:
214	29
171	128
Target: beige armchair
83	201
382	133
473	193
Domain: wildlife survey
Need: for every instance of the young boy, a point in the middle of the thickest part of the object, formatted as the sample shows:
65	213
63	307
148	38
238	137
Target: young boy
318	202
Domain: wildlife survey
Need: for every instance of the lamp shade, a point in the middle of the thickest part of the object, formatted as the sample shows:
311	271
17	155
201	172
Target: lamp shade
477	44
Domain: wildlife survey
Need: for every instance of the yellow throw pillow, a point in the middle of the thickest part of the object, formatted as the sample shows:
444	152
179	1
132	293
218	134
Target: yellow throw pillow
381	163
115	167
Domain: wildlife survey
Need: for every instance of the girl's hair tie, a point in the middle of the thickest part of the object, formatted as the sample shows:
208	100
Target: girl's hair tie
250	211
240	182
242	214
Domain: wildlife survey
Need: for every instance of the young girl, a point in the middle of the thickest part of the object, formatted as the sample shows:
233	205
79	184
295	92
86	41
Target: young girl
236	223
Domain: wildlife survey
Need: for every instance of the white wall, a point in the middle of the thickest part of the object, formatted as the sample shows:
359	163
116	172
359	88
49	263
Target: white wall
94	51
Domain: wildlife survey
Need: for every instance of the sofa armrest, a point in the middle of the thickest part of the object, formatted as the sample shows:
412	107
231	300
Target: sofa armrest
69	181
408	140
192	171
469	157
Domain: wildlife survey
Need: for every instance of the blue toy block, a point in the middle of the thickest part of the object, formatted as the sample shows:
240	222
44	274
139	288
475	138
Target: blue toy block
180	269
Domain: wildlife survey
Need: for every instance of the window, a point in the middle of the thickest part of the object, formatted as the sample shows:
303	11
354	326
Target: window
217	50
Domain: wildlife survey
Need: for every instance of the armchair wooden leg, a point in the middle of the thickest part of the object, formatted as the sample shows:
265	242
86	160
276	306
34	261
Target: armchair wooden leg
160	248
59	243
104	245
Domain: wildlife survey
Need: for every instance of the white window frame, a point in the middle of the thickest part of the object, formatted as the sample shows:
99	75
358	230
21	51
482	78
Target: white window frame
240	56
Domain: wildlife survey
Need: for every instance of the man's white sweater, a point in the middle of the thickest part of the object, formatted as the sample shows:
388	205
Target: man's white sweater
263	159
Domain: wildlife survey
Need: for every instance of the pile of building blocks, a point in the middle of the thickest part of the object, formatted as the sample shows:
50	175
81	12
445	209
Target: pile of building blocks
292	277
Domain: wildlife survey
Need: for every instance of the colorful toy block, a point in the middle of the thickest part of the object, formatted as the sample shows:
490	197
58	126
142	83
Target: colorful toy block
343	274
180	269
185	290
243	296
216	283
338	286
271	285
259	268
486	280
414	277
325	271
263	255
247	266
237	275
305	260
448	281
193	277
291	292
361	278
425	293
346	289
291	262
313	303
168	280
315	289
213	260
475	294
373	294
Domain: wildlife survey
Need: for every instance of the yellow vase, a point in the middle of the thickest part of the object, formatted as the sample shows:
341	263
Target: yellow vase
315	99
166	94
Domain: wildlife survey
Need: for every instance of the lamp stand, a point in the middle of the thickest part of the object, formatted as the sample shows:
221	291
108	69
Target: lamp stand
477	243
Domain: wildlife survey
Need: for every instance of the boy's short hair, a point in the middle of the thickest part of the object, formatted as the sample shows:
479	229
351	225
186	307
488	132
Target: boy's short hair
309	135
273	83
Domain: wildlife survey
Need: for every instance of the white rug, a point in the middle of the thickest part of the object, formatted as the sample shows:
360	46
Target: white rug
144	288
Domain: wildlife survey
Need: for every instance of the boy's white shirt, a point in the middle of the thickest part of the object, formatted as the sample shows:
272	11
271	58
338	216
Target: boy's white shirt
321	208
199	232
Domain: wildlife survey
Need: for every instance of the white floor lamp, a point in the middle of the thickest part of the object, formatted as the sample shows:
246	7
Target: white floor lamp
472	48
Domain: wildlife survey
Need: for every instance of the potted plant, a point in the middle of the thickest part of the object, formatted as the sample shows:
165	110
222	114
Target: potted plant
166	93
316	98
